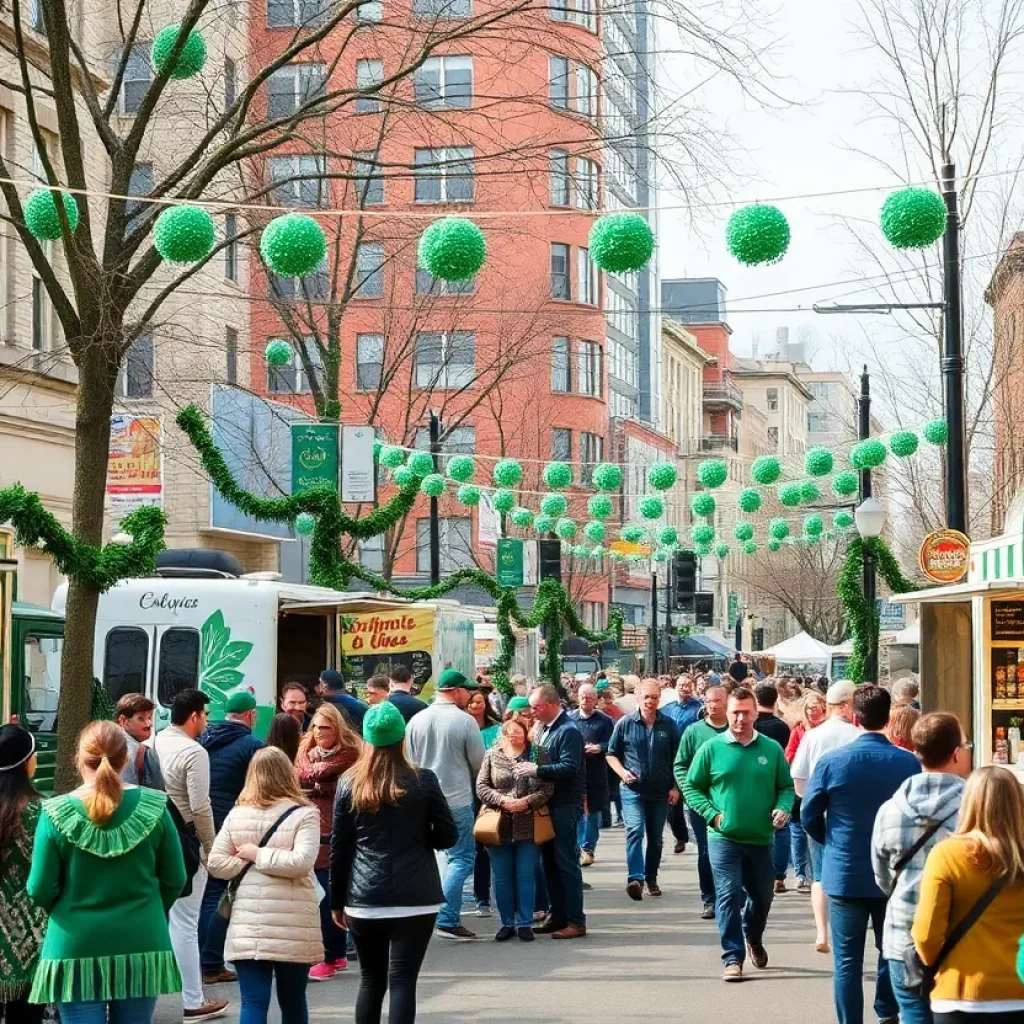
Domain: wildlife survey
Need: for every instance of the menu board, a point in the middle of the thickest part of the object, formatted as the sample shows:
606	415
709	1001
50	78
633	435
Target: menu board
364	666
1008	620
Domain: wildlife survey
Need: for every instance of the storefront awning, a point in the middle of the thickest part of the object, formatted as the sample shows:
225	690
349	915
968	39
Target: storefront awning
958	592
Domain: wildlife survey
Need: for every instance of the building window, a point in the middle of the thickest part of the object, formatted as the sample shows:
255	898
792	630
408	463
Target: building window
458	441
141	183
586	278
292	87
772	397
231	350
580	12
231	247
588	369
296	13
558	161
558	79
135	379
444	82
561	376
371	553
773	436
369	270
369	74
445	359
291	378
585	184
443	8
427	284
230	82
370	11
591	453
312	287
369	361
560	286
369	185
299	180
561	444
35	16
586	91
444	175
42	316
138	73
456	544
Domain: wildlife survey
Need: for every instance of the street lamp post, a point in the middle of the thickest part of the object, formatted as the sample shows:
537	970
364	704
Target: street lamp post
435	521
870	519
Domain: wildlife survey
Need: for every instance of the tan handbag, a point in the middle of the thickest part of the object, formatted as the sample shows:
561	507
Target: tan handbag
487	825
543	830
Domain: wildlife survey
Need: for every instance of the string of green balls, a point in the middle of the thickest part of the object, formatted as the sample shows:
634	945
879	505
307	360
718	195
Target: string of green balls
452	249
278	352
621	242
293	245
190	60
757	234
42	218
913	218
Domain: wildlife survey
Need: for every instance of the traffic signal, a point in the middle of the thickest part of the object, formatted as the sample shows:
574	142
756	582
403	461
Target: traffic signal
704	609
550	558
685	566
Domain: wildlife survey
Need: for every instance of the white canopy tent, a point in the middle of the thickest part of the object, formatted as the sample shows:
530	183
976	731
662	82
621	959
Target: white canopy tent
801	649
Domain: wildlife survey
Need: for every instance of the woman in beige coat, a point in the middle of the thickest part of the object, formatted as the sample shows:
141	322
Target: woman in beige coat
274	930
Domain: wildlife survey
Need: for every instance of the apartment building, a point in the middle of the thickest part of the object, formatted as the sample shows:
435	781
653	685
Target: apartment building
784	399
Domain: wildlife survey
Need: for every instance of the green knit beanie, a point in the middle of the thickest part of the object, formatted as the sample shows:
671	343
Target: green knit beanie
383	725
518	704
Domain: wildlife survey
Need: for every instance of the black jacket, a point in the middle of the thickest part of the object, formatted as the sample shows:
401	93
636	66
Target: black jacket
773	726
595	729
407	704
230	746
387	859
561	761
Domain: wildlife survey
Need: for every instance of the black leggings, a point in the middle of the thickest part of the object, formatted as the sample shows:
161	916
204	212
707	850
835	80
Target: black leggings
20	1012
969	1017
391	951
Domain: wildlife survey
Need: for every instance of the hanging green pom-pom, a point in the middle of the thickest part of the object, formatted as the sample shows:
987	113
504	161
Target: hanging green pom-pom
293	245
432	485
818	461
616	556
421	463
842	520
558	475
845	483
789	495
184	234
809	491
766	469
749	499
594	531
774	545
903	443
660	555
668	535
936	431
41	217
521	516
632	533
597	552
191	59
722	549
599	506
543	523
620	242
661	476
750	548
508	473
652	507
913	218
452	249
744	531
712	473
702	533
554	505
404	477
868	454
757	234
504	501
702	504
377	444
278	353
305	524
391	456
813	524
703	549
779	529
461	468
468	494
566	528
607	476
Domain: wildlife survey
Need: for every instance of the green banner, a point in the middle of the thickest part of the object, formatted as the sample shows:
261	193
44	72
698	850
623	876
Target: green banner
733	609
314	455
509	562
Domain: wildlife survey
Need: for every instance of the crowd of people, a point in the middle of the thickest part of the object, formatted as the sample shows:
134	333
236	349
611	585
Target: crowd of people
203	855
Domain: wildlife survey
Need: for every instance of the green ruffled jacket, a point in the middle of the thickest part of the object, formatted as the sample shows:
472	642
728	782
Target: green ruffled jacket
107	890
22	923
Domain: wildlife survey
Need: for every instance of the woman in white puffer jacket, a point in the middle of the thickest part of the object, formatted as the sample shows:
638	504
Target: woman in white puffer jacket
274	930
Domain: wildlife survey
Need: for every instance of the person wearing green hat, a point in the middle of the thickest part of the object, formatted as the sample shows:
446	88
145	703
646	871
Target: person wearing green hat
518	704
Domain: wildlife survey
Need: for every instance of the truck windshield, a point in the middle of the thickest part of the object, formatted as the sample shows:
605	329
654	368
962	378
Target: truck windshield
42	682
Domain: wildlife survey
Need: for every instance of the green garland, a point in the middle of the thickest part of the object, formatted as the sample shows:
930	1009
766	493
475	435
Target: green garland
861	618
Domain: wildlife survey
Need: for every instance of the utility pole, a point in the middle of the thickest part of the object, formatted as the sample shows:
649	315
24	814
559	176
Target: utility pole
435	521
864	432
654	622
668	612
953	359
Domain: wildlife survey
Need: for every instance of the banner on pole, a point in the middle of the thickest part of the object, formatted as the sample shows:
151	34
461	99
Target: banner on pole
509	562
134	463
358	471
314	456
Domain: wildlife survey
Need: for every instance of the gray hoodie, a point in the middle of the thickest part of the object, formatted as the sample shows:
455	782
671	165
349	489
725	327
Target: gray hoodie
921	801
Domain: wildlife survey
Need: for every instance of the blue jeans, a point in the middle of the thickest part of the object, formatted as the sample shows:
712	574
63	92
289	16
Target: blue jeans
643	817
213	929
780	853
335	939
913	1010
562	870
705	876
589	831
461	858
513	868
255	978
743	894
850	919
798	849
815	854
122	1011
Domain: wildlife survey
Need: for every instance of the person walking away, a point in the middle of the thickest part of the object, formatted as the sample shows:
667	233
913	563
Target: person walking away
836	731
186	769
389	819
134	716
738	669
327	751
230	746
401	693
560	761
596	728
352	708
295	702
921	813
641	752
268	844
739	783
907	692
514	860
377	689
447	741
285	733
488	723
812	714
22	922
842	799
106	868
771	725
684	711
695	736
976	982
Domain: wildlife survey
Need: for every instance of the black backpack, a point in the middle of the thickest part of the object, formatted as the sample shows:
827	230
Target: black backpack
191	847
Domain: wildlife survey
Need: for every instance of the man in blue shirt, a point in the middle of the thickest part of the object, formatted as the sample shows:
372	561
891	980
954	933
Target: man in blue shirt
684	711
843	796
352	709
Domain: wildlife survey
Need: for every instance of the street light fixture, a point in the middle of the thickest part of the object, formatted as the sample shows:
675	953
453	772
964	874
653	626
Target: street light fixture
870	519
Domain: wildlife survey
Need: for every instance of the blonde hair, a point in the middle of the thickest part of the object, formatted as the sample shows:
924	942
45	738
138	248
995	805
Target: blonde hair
103	749
992	822
270	779
812	697
328	714
375	779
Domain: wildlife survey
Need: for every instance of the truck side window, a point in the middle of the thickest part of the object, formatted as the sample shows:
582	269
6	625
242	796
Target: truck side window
42	682
179	663
125	657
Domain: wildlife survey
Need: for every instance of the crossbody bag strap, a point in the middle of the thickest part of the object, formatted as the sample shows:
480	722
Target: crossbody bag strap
267	836
969	920
914	851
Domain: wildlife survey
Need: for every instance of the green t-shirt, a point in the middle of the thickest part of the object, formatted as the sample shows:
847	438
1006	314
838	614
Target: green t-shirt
694	737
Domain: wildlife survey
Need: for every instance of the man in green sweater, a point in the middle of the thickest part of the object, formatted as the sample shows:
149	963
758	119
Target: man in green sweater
739	783
713	724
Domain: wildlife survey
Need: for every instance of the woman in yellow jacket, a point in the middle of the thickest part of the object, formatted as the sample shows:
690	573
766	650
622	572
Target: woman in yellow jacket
977	982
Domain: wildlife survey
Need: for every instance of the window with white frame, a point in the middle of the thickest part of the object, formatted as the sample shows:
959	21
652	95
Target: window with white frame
579	12
558	82
369	282
138	73
444	175
445	359
35	16
587	280
561	444
443	8
369	361
620	312
591	453
458	441
585	184
558	161
370	11
585	98
296	13
444	82
291	378
561	286
231	355
773	436
291	87
371	553
589	379
135	378
561	365
314	287
427	284
369	74
299	180
772	398
369	183
230	82
456	544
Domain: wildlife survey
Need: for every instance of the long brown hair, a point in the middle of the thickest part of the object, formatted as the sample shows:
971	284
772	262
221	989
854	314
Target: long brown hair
102	747
285	733
376	778
327	714
270	778
992	822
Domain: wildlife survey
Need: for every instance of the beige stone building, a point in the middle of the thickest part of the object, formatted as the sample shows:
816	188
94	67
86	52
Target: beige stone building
778	392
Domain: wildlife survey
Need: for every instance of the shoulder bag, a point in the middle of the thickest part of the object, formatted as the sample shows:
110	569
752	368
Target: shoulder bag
543	830
227	899
487	825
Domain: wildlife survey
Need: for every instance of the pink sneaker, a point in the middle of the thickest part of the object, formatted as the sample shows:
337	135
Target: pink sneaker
341	965
323	972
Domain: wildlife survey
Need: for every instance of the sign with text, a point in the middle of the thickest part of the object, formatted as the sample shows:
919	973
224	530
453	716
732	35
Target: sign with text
945	556
134	463
891	617
1007	620
314	456
488	522
508	562
358	472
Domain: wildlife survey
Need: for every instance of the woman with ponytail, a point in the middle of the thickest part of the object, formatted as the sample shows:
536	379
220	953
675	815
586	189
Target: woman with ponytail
106	867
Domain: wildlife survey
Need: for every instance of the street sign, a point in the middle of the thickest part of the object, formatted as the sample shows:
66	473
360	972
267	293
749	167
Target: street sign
358	472
891	617
314	456
509	562
624	547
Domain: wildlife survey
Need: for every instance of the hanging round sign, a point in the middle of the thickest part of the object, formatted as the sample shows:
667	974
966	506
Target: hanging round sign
945	556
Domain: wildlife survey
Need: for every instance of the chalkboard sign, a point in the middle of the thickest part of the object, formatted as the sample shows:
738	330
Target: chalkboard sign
364	666
1008	620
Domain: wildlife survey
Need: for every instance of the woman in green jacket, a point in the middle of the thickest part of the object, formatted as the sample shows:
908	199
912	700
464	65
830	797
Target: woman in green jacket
106	866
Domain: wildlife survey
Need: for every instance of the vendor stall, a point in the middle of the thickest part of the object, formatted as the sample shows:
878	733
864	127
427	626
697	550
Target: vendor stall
800	655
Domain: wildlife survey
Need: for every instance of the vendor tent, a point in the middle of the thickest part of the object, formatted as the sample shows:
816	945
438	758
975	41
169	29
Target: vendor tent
801	649
910	636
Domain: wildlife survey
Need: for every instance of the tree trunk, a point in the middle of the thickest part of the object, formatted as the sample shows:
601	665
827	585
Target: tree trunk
97	372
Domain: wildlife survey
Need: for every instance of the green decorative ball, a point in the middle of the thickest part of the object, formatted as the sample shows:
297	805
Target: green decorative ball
779	529
766	469
757	234
913	218
293	245
468	494
750	548
184	234
599	506
703	504
868	454
668	535
504	501
305	524
774	545
41	217
594	531
749	499
936	431
432	485
521	516
842	520
652	507
712	473
421	463
452	249
616	556
903	443
702	533
543	524
278	353
813	524
554	505
191	59
703	549
661	476
744	531
507	473
809	491
789	495
620	242
818	461
811	538
404	477
722	549
845	483
461	468
566	528
392	456
558	475
607	476
377	444
632	533
597	552
660	555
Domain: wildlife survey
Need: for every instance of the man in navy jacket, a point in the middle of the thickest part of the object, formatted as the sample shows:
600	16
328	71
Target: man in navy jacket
596	728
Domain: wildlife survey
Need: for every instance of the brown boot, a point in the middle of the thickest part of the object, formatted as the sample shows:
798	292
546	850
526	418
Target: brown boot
572	931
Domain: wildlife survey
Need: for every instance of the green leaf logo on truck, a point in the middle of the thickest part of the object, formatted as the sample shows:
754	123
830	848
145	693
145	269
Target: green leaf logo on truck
219	673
